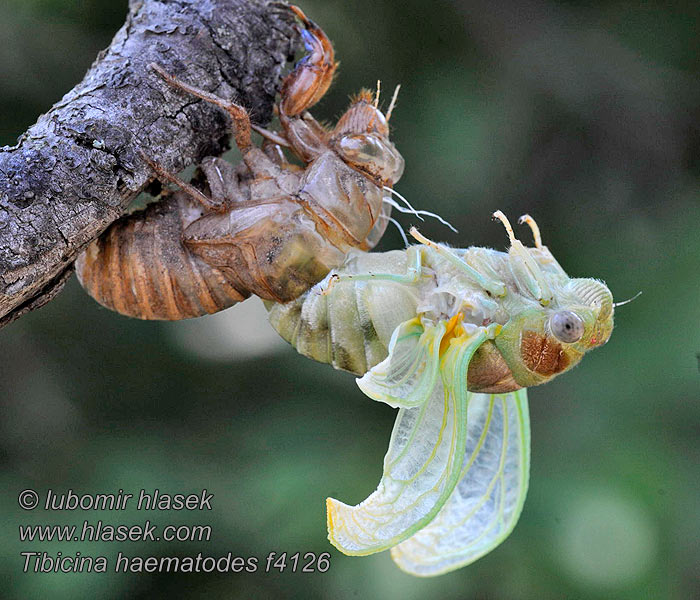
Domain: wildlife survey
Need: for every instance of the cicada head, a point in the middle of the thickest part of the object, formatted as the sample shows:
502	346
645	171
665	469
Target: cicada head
541	342
554	320
361	138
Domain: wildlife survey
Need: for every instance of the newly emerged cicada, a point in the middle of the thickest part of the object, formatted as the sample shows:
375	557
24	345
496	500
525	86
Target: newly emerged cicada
452	337
267	227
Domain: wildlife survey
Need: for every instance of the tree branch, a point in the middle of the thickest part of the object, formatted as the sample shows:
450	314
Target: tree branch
77	169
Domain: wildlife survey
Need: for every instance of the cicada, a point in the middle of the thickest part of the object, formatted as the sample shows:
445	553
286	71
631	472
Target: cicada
451	337
267	227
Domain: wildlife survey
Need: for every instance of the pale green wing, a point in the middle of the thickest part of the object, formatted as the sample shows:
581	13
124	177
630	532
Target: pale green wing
486	503
407	377
421	467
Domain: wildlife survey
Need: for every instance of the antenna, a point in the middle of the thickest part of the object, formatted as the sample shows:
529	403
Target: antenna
637	295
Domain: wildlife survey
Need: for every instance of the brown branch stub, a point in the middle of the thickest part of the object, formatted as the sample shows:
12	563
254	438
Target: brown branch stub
78	168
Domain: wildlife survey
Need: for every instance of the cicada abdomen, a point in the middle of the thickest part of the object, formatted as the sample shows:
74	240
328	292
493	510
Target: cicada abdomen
268	227
351	326
140	267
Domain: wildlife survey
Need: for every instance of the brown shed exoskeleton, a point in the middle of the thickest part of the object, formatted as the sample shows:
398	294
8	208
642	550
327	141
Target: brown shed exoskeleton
265	227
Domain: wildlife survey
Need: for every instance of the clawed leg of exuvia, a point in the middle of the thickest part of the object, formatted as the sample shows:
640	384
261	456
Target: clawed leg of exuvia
274	152
272	136
256	160
164	175
313	74
301	89
239	115
223	181
305	85
414	271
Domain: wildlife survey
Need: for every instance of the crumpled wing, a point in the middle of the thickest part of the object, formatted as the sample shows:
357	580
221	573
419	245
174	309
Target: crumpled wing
421	467
486	503
407	376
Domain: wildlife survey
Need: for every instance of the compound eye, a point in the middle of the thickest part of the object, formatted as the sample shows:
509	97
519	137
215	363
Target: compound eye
567	326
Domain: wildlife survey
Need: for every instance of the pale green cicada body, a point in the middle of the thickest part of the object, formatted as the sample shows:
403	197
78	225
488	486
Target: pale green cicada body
451	337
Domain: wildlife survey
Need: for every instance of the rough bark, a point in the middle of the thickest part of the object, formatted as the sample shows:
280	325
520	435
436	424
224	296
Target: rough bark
77	169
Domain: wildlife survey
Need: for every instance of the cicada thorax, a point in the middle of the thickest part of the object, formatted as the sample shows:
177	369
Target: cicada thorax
344	205
140	267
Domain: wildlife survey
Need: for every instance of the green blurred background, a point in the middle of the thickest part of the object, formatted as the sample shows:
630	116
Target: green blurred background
585	115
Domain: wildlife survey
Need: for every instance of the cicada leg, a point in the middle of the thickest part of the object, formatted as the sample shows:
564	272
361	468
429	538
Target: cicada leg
534	228
492	286
223	181
254	158
312	76
414	271
303	87
275	154
212	204
524	267
239	115
271	136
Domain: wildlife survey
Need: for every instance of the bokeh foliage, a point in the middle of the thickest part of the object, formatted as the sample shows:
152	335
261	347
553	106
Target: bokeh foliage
582	114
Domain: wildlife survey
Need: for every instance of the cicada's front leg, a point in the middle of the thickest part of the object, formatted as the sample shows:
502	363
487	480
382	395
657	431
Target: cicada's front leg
312	76
303	87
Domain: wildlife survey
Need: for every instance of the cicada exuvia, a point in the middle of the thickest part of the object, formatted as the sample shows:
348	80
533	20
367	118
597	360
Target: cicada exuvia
267	227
